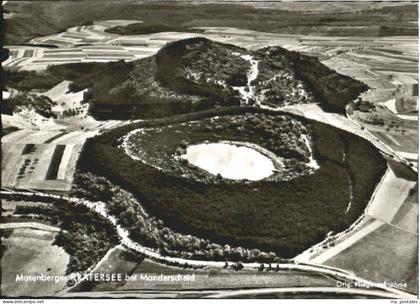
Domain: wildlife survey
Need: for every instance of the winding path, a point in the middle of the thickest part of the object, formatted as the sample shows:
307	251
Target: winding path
248	92
99	208
30	225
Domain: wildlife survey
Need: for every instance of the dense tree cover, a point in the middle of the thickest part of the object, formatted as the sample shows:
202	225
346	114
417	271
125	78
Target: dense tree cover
276	83
192	75
363	162
40	104
83	75
212	63
148	28
283	217
282	136
151	232
334	91
7	130
85	235
402	170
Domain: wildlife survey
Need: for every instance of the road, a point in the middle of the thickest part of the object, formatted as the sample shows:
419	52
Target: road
99	208
302	290
217	294
389	197
314	112
30	225
333	251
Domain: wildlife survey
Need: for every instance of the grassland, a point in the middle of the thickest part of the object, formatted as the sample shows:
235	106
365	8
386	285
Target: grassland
210	278
84	235
397	249
218	212
406	217
31	252
207	279
118	261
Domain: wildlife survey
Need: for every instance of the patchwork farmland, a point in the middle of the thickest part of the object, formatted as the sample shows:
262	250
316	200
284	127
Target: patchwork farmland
40	154
45	167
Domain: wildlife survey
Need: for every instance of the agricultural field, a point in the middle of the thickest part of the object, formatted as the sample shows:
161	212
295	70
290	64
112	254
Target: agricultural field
39	166
113	47
398	251
72	226
40	153
390	218
220	279
120	260
120	136
31	252
388	67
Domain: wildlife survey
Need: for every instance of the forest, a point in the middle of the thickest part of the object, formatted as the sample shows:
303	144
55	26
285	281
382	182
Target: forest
192	75
279	134
283	217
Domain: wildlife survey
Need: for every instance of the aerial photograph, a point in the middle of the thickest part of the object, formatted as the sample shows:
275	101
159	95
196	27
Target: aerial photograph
209	150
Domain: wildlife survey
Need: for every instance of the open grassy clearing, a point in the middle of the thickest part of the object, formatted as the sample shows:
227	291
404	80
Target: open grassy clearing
389	198
6	130
9	207
27	157
392	204
67	104
83	234
399	134
28	136
10	161
406	105
204	278
406	142
397	249
223	278
31	252
407	216
118	261
389	78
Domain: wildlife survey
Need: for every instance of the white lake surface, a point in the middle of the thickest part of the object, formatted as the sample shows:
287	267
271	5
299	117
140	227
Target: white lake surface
230	161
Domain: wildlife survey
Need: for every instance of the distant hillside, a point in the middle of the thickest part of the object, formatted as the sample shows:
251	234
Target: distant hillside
30	19
327	6
195	74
